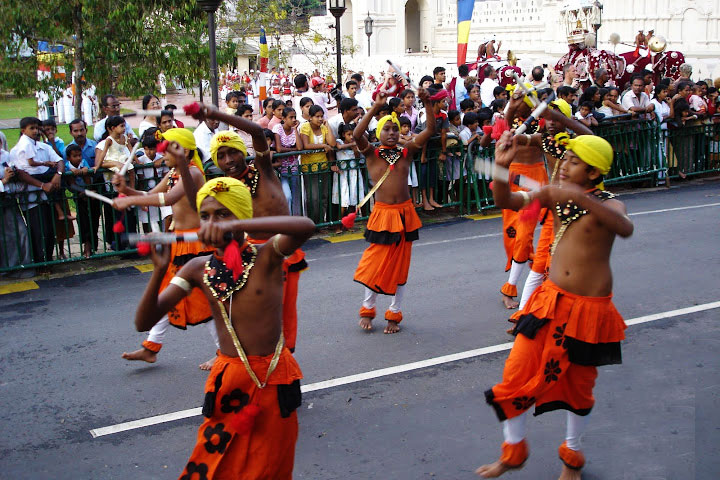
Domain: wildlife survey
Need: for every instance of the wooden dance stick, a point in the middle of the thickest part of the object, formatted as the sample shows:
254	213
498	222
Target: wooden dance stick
129	159
402	74
92	194
524	88
483	165
168	238
535	114
151	113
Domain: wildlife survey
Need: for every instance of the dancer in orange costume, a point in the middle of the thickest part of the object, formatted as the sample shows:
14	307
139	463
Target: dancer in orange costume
183	157
229	154
569	326
393	224
253	390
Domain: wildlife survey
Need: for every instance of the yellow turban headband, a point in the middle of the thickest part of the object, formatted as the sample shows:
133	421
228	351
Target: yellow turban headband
185	138
511	90
563	106
381	123
231	193
226	139
593	150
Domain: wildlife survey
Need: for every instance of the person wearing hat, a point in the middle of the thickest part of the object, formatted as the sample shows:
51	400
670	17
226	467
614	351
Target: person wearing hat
170	191
570	326
393	224
250	422
229	152
558	118
320	96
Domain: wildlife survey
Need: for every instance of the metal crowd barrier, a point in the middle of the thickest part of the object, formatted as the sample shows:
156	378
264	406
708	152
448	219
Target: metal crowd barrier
31	235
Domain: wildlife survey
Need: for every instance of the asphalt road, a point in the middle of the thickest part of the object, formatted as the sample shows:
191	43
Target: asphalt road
656	417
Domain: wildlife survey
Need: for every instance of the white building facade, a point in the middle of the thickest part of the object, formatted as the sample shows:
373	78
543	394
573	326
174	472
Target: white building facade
531	28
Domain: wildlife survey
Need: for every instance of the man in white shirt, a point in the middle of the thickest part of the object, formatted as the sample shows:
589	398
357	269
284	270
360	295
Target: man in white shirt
348	112
110	106
363	96
636	100
461	92
203	134
301	90
487	87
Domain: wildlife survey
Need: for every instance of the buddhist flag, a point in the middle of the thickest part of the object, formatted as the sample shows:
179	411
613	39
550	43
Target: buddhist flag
464	15
264	56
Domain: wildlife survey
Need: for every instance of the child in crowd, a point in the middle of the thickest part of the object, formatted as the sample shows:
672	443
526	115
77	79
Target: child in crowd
245	111
348	188
165	121
498	109
25	153
466	106
269	138
171	108
428	168
268	114
316	135
610	107
285	142
277	108
470	131
454	158
384	110
151	169
49	129
112	151
408	99
406	136
397	105
79	168
585	114
232	100
305	104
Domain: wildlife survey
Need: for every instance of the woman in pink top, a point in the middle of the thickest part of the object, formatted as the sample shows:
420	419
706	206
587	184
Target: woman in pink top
277	108
268	113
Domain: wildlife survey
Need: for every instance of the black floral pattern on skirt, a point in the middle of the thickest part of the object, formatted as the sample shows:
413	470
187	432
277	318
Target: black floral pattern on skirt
223	438
192	469
234	401
552	370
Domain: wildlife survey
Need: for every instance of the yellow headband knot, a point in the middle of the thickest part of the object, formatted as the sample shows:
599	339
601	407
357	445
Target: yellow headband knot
381	123
185	139
226	139
595	151
511	89
563	106
232	193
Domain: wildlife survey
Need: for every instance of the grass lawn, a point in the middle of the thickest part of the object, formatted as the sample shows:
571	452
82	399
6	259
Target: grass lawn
18	107
13	134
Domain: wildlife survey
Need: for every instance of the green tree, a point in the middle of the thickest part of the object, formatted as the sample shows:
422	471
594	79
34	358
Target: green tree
121	47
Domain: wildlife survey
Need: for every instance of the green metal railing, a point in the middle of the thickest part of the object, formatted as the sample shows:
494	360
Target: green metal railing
32	236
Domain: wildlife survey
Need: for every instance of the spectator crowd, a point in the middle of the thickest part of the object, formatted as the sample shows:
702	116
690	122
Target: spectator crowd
309	121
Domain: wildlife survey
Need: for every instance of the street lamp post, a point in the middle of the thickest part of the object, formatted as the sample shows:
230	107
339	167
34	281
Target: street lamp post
211	7
337	8
368	29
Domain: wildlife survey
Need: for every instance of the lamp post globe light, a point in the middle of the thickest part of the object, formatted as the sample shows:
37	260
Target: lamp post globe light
337	8
211	7
369	29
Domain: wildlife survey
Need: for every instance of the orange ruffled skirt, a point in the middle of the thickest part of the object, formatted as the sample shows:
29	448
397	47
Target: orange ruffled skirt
541	259
267	452
293	266
385	264
561	339
518	233
194	308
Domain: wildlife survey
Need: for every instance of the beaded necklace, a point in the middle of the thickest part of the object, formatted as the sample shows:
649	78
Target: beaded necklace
554	149
570	212
219	278
250	178
390	155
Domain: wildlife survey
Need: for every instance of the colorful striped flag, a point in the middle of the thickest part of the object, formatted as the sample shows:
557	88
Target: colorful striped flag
264	57
464	15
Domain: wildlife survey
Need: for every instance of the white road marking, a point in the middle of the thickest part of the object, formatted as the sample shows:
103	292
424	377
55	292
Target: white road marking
383	372
488	235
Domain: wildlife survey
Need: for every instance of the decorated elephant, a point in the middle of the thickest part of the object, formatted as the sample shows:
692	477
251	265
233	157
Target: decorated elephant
588	59
662	63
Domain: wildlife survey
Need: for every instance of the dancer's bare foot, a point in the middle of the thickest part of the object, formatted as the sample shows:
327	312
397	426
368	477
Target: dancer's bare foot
435	204
509	302
427	207
143	354
492	470
366	323
570	474
392	327
208	365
